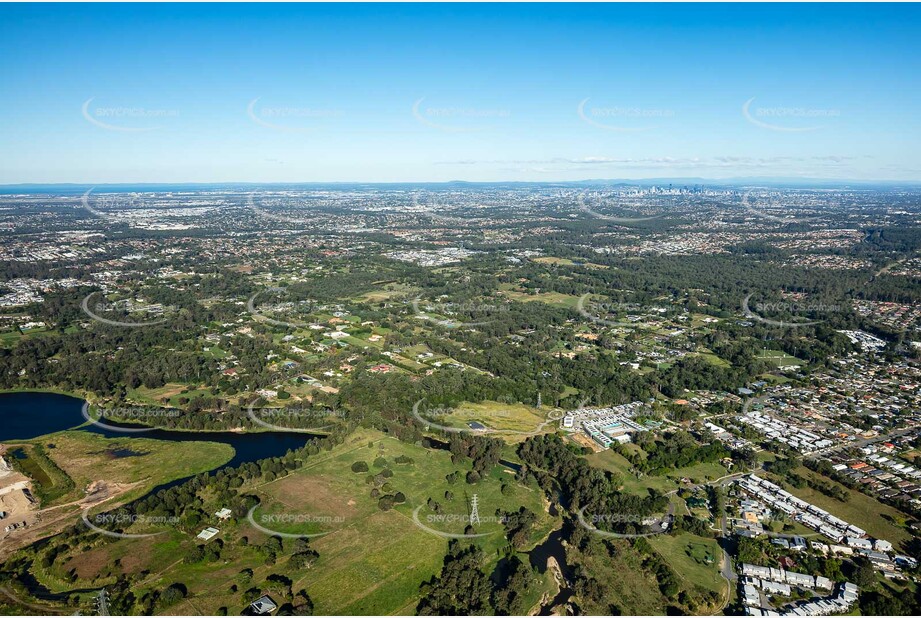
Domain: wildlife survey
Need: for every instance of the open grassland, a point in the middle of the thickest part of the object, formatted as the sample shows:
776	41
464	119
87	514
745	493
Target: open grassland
557	261
694	559
497	416
551	298
371	561
172	395
85	457
100	561
778	359
713	359
700	473
10	338
386	292
155	396
375	567
616	463
364	564
700	320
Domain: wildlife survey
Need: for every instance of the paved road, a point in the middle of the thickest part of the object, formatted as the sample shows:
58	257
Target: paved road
862	442
726	569
832	449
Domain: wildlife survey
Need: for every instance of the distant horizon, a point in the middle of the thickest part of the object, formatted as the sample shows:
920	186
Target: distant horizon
153	93
689	180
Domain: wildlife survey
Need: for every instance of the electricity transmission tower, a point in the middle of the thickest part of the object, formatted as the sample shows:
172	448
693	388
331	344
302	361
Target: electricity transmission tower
474	510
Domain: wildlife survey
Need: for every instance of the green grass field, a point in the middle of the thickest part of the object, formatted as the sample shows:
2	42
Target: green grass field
371	562
700	473
613	462
778	359
154	396
214	352
367	571
551	298
10	338
694	558
715	360
498	416
860	509
632	589
624	581
85	457
557	261
386	292
701	321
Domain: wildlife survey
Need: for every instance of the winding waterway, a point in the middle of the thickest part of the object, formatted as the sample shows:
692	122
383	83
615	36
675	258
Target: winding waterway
29	415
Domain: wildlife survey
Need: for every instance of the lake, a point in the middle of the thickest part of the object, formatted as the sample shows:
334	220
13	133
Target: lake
29	415
24	416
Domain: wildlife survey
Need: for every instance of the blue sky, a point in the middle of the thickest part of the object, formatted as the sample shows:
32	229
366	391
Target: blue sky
380	93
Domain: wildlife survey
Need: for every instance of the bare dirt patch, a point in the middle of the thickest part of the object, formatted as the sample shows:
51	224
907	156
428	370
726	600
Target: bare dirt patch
89	564
582	440
311	494
137	561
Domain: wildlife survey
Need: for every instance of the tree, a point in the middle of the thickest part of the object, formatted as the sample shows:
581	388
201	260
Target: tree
303	559
510	598
864	574
279	584
303	605
518	525
195	554
172	594
461	589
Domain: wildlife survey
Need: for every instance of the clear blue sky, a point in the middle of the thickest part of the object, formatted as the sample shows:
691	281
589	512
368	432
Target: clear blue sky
264	93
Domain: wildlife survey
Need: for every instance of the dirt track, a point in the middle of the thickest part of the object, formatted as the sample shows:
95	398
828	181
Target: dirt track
48	521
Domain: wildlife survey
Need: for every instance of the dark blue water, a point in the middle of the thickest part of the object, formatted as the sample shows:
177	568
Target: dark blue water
29	415
246	446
